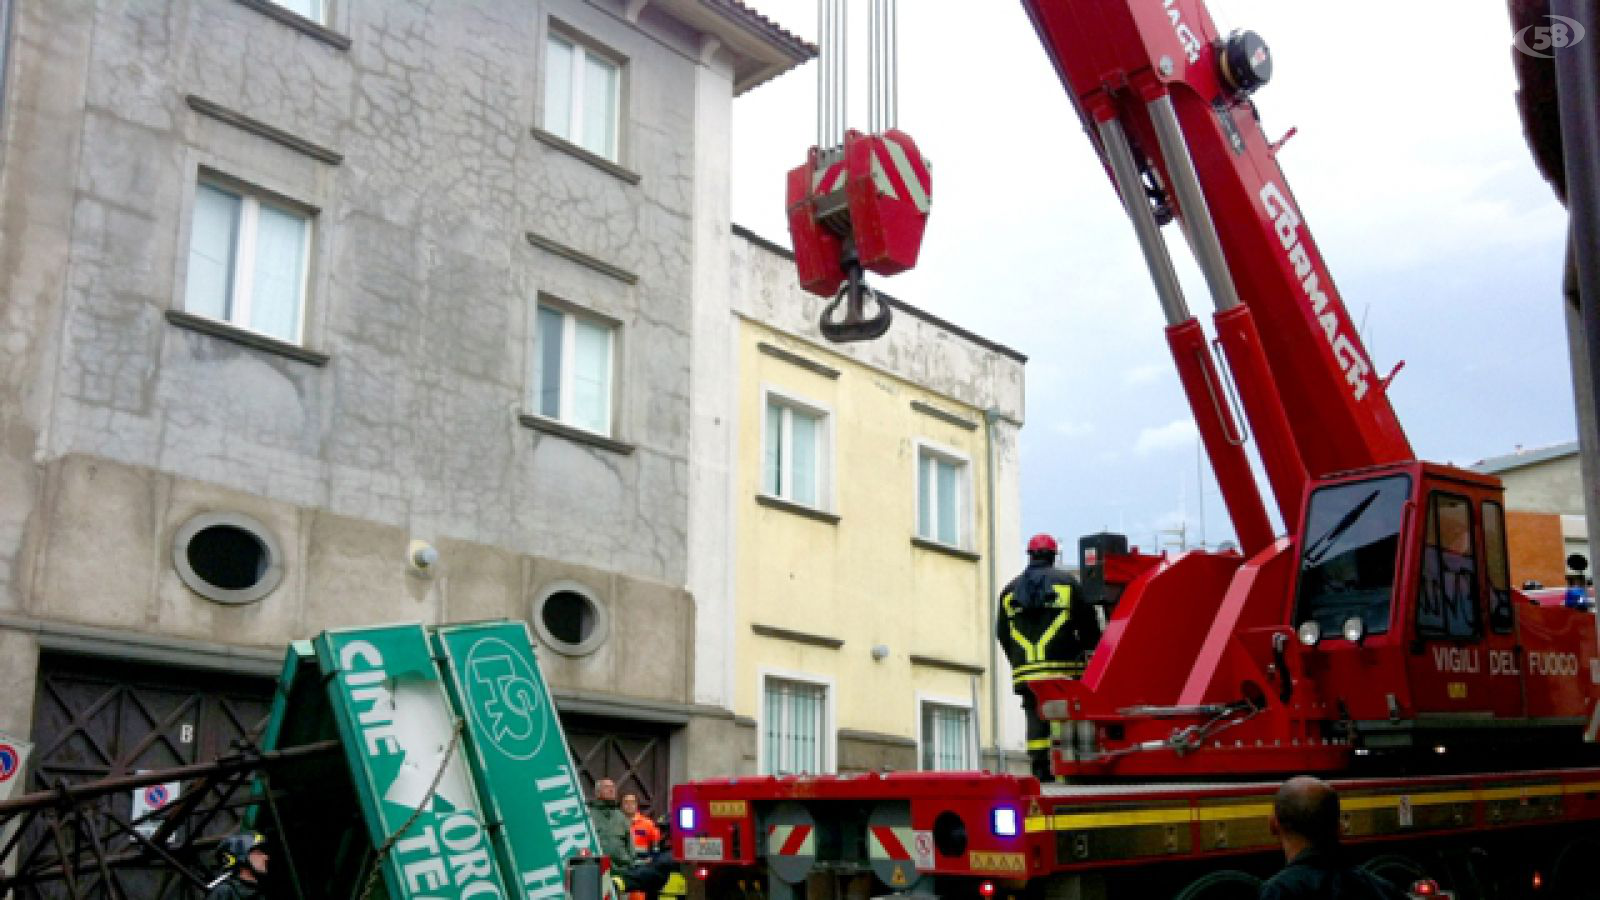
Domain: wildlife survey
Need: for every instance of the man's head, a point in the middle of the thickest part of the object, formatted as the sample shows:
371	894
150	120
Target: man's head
605	790
630	804
1305	813
244	853
1042	548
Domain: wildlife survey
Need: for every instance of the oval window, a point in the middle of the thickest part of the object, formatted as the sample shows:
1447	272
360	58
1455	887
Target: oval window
228	558
570	619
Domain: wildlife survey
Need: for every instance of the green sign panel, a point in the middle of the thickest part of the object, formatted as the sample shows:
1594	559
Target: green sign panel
411	772
519	755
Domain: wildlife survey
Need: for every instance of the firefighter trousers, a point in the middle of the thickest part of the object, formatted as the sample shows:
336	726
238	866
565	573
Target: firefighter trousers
1038	738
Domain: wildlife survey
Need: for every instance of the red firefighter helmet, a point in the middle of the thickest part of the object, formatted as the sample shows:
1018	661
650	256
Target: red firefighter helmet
1042	543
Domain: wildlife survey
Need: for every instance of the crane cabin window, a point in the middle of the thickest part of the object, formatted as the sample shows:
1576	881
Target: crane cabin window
1347	564
1447	595
1502	617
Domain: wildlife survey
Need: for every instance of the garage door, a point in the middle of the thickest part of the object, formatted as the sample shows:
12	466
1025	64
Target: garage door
636	755
96	718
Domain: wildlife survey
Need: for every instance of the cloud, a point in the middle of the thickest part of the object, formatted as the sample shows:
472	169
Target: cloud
1149	373
1177	434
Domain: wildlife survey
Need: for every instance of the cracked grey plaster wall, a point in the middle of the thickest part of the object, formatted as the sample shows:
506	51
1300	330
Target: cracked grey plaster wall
422	285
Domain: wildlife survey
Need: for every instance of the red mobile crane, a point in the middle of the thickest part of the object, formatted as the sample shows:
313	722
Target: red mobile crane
1379	639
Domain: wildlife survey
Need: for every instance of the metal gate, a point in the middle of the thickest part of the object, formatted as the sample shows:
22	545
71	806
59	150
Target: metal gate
634	754
97	718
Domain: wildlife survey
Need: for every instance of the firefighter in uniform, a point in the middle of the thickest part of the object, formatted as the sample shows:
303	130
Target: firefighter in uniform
243	859
1047	630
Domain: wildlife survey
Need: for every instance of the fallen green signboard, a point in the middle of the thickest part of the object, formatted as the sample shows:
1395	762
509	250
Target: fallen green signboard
456	776
401	737
526	783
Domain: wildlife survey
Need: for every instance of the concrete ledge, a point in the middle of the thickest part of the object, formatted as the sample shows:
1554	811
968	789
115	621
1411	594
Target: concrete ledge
551	426
796	359
261	129
946	549
947	417
664	712
873	737
191	322
949	665
573	254
299	23
88	640
797	637
798	509
593	159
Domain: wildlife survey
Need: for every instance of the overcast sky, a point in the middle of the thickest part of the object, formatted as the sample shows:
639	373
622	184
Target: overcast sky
1409	164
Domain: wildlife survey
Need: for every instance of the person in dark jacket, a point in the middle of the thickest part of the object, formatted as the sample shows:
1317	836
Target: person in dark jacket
611	825
1305	817
1048	631
243	859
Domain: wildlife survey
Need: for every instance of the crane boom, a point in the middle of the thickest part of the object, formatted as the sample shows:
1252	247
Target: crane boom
1179	91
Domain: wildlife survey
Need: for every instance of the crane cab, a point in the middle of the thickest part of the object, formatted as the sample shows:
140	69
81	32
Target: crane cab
1411	629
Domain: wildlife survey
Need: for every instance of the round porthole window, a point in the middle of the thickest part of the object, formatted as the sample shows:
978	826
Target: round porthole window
569	618
227	557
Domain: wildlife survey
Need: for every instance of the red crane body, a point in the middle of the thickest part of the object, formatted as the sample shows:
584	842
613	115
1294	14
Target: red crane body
1410	555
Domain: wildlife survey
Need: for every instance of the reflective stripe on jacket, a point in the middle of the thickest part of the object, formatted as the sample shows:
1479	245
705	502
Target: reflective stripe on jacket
1044	626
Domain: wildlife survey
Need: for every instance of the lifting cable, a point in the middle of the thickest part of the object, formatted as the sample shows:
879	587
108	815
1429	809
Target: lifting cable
833	72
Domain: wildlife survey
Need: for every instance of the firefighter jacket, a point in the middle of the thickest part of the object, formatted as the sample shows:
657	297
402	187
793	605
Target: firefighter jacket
1045	625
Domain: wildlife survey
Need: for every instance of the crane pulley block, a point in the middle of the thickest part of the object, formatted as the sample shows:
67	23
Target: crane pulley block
860	206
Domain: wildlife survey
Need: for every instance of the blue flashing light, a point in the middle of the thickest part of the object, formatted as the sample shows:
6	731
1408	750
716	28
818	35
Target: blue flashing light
686	818
1004	822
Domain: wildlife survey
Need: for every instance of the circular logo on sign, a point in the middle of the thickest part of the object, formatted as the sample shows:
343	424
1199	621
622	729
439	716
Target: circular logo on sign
155	796
8	761
507	704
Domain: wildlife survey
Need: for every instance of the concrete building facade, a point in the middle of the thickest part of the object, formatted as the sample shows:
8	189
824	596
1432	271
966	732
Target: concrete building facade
334	312
875	508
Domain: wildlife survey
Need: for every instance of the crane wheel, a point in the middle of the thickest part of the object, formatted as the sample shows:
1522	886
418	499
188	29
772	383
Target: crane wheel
1228	884
1400	871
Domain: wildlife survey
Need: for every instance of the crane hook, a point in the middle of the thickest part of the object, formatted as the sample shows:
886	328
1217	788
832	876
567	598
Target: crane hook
854	325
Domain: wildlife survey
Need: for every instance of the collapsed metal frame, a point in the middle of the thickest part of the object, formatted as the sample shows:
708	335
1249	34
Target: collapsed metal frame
80	824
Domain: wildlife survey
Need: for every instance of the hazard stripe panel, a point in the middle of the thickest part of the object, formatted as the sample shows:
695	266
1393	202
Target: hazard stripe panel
791	840
890	842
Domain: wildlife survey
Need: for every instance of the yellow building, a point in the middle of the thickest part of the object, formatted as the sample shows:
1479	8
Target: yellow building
865	481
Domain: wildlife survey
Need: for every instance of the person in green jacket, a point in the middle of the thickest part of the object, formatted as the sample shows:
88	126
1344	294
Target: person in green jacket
612	825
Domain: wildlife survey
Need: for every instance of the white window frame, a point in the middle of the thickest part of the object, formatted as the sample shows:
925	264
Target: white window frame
319	12
829	739
569	345
242	277
962	703
824	455
964	503
582	49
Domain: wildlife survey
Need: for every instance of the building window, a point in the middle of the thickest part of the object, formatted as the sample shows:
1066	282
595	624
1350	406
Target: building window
942	497
572	366
229	558
315	10
795	452
947	740
248	262
569	619
582	96
795	734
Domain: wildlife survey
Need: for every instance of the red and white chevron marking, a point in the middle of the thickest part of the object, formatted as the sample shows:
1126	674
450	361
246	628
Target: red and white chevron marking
791	840
898	172
889	842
